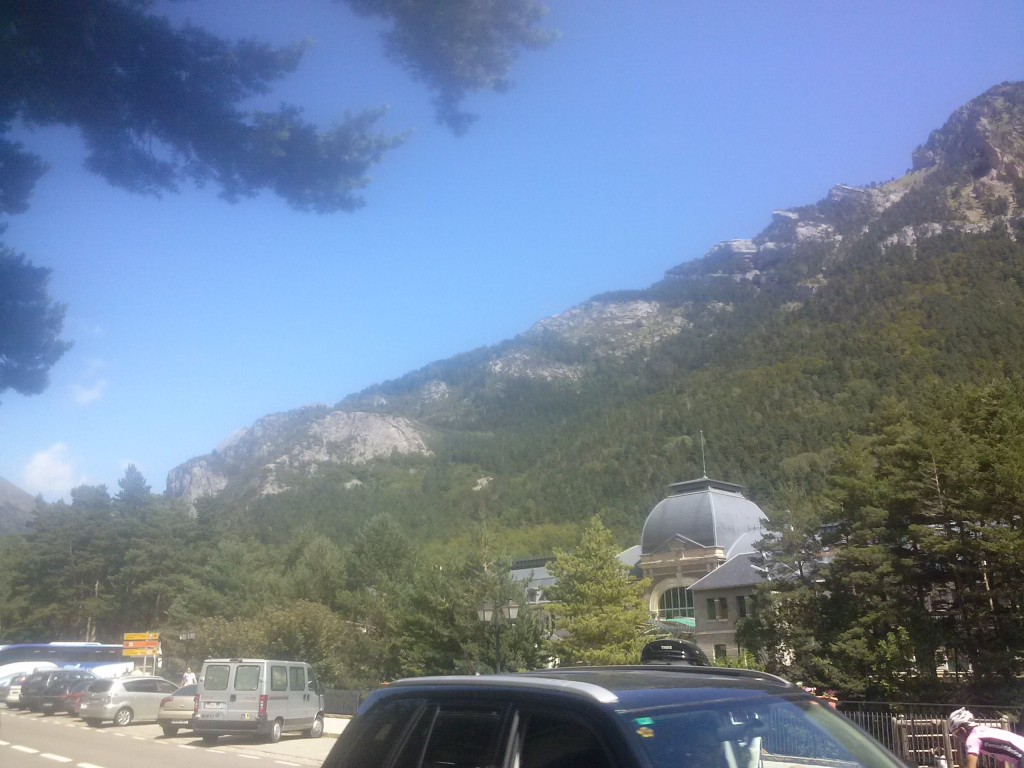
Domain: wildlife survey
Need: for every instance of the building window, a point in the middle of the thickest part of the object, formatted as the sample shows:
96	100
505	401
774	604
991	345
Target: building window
718	609
720	652
741	606
675	603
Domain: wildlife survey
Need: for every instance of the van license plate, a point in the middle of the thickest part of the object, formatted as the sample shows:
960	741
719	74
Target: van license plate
213	705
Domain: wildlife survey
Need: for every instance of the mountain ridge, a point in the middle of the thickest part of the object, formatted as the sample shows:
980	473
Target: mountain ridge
967	179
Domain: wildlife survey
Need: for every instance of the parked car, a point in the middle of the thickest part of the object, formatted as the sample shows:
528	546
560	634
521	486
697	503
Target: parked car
658	716
33	686
257	697
13	697
53	699
176	710
5	685
73	697
124	700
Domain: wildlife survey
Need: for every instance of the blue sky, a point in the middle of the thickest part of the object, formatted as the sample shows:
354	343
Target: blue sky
643	136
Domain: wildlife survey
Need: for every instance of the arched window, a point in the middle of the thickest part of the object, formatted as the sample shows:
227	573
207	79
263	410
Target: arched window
675	603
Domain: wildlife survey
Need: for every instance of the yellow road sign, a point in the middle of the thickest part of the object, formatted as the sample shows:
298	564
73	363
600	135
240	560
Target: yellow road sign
130	636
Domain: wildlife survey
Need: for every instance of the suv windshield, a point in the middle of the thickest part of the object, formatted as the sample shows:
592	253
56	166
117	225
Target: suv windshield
763	732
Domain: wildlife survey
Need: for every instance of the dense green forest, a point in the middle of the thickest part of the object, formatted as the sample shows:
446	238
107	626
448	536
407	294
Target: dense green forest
865	386
881	420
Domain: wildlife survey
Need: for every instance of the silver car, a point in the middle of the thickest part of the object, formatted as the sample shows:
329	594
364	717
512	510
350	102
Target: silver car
124	700
176	709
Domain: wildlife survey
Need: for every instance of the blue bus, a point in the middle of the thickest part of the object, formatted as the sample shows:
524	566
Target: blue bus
103	660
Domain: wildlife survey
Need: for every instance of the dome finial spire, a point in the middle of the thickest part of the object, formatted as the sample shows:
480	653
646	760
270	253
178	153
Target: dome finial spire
703	460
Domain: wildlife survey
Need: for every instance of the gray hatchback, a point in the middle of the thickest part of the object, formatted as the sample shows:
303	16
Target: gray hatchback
124	700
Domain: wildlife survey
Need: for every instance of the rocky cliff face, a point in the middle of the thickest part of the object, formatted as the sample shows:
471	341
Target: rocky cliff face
968	176
984	137
296	443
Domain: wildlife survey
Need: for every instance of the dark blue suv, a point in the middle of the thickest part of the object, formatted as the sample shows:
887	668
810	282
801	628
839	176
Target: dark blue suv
603	717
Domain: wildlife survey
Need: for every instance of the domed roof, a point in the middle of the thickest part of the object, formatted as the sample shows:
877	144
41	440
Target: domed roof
708	512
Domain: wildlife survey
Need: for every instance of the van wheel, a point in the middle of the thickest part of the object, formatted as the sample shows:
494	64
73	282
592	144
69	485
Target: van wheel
123	716
210	738
275	732
318	728
170	730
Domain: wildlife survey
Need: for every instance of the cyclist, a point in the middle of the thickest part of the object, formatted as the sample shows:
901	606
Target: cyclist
997	743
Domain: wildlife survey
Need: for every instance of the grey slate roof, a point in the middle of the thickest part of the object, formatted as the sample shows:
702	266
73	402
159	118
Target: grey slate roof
708	512
739	571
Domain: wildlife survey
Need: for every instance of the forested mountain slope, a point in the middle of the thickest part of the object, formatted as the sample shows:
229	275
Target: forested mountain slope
776	347
16	508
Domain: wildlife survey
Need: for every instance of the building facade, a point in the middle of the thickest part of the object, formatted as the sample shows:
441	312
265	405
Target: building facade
696	549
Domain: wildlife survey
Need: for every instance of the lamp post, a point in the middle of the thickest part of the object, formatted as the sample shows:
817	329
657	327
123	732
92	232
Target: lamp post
488	614
187	636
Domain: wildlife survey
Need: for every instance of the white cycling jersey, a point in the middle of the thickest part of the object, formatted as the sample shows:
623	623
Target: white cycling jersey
995	742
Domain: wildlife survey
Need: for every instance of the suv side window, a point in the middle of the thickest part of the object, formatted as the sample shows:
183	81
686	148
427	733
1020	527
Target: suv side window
375	736
458	736
557	741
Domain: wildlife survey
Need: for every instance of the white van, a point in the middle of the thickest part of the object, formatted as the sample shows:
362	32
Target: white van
260	697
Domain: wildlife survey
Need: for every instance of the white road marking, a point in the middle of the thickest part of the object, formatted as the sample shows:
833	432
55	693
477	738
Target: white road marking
57	758
87	765
20	748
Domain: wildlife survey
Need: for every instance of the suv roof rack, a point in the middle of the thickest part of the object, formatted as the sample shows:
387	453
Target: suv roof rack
592	682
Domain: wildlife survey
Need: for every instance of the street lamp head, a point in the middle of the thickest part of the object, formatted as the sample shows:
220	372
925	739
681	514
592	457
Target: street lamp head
485	612
510	611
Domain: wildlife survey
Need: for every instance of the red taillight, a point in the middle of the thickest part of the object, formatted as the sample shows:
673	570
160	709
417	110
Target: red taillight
195	705
262	714
166	700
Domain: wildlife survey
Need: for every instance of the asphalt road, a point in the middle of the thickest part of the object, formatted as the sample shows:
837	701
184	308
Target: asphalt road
29	740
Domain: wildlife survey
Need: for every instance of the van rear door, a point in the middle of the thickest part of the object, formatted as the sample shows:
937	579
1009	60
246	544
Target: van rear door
230	692
243	700
213	699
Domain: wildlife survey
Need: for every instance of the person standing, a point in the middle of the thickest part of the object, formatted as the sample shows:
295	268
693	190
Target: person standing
189	678
997	743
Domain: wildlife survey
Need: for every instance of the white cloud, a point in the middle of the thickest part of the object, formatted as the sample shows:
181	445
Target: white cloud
92	385
52	473
84	395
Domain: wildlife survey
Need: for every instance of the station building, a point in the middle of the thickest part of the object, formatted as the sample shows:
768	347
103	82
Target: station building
696	547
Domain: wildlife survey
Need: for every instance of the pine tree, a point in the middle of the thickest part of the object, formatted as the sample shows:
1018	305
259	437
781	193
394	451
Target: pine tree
597	603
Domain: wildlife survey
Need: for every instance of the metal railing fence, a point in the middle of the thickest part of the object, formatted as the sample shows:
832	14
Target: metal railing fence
919	734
